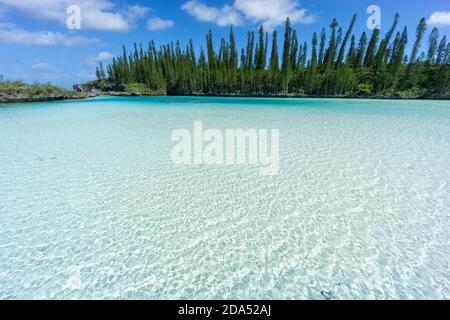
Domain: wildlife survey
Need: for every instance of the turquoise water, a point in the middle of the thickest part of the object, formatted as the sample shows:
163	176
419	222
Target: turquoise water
91	205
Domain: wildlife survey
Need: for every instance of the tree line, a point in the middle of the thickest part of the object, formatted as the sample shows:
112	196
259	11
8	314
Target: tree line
334	63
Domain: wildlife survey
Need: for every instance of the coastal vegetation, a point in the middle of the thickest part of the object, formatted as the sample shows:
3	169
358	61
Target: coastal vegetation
18	91
335	62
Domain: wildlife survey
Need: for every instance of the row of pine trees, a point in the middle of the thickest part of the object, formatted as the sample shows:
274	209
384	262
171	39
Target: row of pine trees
333	63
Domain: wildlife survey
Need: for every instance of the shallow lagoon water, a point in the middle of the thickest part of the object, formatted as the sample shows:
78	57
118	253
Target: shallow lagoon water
92	207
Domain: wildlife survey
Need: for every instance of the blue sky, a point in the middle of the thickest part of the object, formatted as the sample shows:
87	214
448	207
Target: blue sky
36	44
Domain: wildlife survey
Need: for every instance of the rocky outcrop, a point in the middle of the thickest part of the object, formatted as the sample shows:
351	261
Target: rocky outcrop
16	92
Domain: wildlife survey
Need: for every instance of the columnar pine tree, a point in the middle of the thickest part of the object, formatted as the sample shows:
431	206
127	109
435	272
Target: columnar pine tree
432	46
361	68
362	45
411	77
286	63
344	42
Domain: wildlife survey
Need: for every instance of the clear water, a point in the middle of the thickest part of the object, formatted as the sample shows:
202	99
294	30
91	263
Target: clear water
91	205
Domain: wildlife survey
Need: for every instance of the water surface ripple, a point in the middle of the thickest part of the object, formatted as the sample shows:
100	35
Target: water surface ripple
92	207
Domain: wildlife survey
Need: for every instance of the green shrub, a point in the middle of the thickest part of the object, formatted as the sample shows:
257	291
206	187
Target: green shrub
364	89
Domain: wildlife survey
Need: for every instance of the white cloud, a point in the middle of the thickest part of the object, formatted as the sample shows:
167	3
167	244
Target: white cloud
270	13
10	34
157	23
42	67
136	12
224	16
104	56
7	25
95	14
440	18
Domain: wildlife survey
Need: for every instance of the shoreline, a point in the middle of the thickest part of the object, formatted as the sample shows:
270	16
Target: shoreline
42	99
282	96
287	96
90	95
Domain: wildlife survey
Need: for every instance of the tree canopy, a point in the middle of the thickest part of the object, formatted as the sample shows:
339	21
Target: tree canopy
335	64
